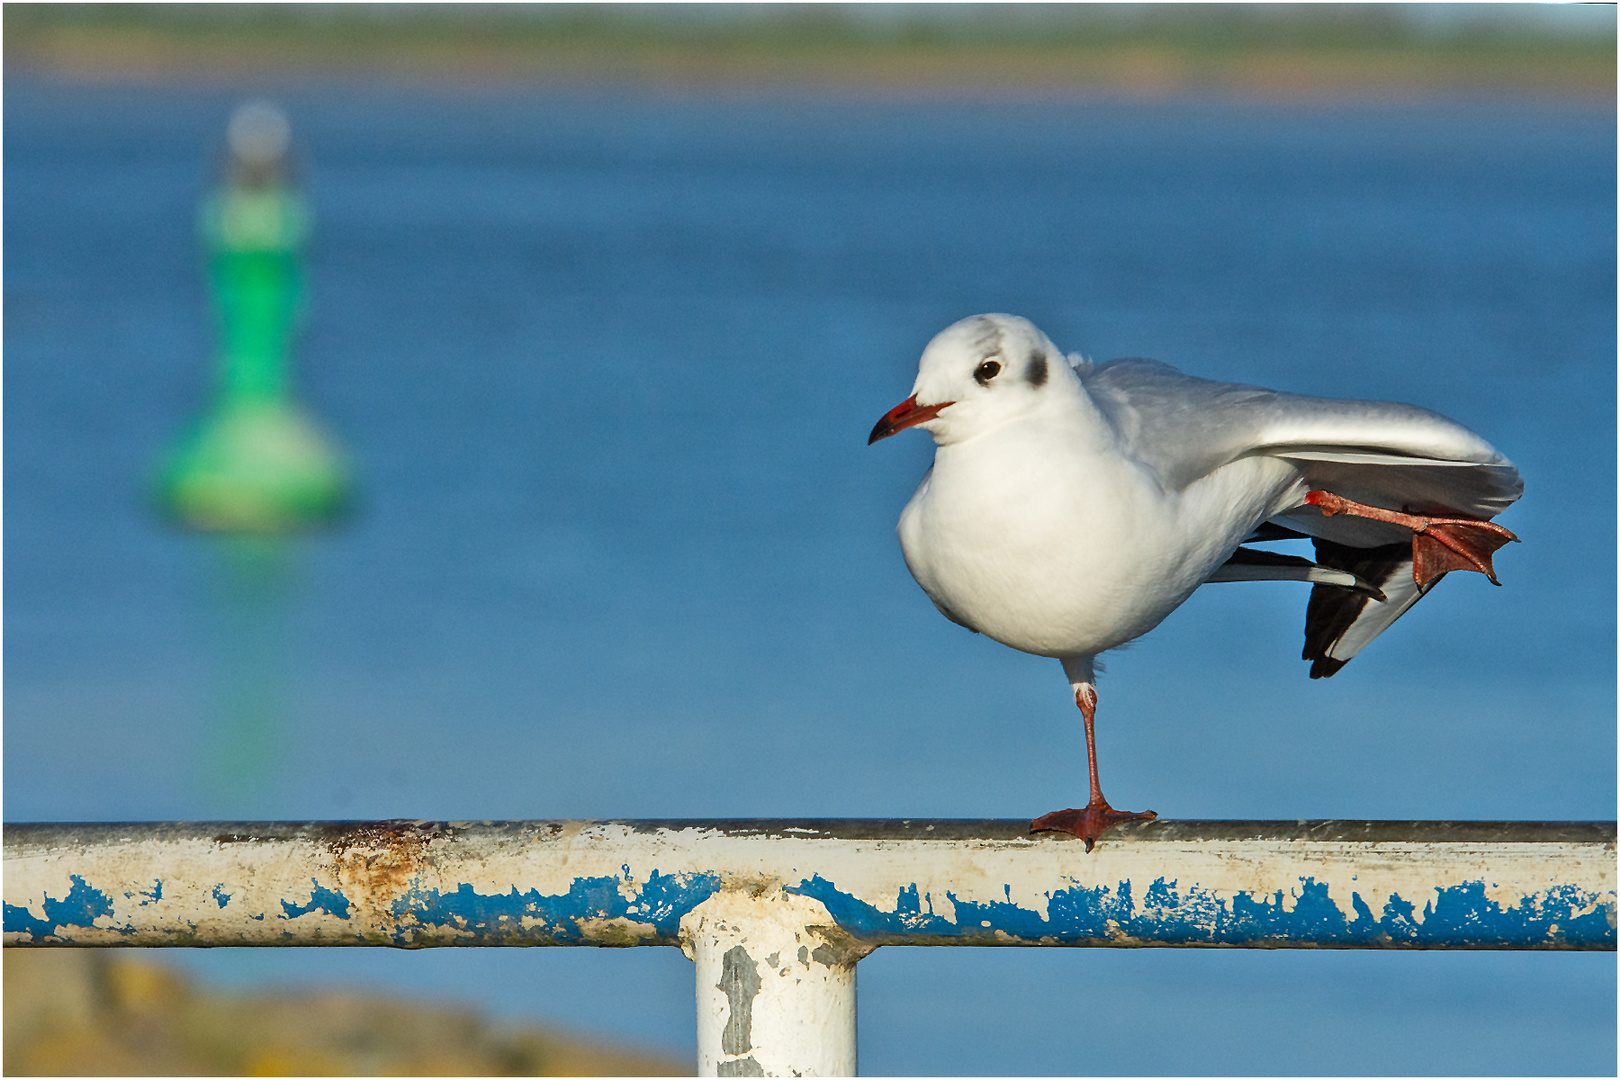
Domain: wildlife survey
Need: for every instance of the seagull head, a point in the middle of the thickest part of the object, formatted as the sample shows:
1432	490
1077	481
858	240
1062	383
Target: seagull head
975	375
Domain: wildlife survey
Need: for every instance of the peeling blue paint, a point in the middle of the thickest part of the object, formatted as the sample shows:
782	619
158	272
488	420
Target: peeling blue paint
19	920
1167	913
1460	916
1466	914
1364	923
865	921
1165	910
81	907
661	901
1400	919
327	900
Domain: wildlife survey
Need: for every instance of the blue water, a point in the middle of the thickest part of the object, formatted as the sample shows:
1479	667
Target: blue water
607	364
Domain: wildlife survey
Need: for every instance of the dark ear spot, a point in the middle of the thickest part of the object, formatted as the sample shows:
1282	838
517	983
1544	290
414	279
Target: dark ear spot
1037	369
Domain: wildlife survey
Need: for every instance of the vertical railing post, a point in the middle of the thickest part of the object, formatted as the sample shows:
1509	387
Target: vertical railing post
775	985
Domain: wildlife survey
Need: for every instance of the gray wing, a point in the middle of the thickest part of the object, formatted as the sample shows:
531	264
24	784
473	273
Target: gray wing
1381	453
1399	457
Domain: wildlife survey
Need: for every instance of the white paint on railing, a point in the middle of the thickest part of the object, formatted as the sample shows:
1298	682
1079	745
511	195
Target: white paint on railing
1378	884
776	914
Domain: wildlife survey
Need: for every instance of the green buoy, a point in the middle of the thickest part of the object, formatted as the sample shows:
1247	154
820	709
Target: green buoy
255	462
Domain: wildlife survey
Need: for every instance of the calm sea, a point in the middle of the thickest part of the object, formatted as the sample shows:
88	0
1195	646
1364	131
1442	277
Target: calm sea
606	367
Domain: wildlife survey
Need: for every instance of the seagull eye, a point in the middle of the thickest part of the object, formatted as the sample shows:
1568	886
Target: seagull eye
986	371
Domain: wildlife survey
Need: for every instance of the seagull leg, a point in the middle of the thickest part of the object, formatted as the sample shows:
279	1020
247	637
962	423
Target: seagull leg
1438	544
1089	823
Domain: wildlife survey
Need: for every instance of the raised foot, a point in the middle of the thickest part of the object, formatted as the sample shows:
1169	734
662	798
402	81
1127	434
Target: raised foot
1456	545
1439	545
1088	823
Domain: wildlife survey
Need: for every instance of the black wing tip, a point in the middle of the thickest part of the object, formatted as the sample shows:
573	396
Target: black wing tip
1325	667
1334	609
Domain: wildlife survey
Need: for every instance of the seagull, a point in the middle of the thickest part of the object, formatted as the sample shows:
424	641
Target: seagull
1072	506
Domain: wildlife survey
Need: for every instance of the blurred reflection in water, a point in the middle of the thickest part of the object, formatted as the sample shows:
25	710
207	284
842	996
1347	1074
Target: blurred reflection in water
246	744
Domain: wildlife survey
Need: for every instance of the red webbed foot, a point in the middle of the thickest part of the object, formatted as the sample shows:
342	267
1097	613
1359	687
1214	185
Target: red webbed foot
1088	823
1439	544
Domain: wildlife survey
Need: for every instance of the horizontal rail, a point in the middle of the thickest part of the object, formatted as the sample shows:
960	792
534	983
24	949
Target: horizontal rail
412	884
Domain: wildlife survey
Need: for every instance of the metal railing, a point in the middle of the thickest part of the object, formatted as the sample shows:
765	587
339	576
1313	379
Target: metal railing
775	914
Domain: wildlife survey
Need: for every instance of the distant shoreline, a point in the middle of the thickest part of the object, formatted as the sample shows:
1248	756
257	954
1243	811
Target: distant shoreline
147	45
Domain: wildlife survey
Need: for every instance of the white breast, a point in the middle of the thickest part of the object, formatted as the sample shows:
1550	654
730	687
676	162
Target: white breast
1035	540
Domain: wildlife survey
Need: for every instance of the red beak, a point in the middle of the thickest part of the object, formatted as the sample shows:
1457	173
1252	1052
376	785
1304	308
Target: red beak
906	414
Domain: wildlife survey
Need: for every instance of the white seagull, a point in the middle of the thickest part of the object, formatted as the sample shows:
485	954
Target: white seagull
1072	506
